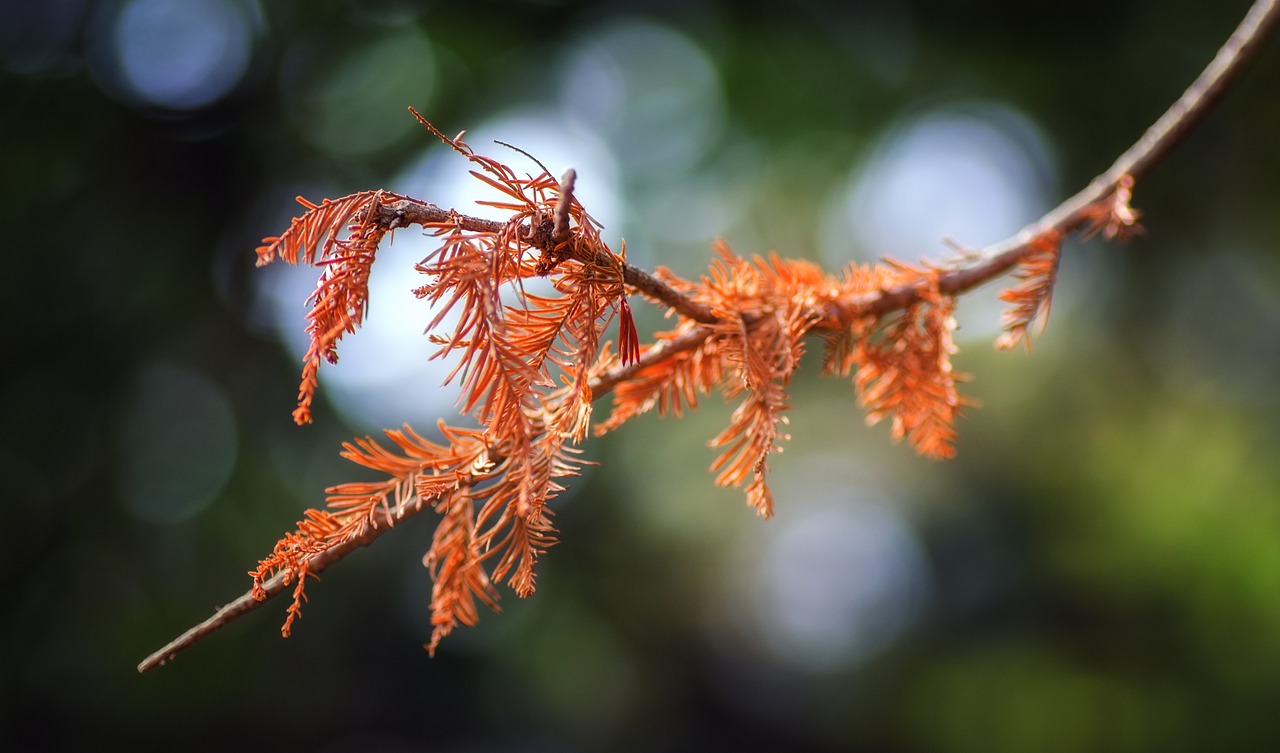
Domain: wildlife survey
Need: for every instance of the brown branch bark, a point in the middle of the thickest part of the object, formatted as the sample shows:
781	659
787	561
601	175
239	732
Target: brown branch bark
1158	140
1071	215
276	585
992	262
560	231
407	211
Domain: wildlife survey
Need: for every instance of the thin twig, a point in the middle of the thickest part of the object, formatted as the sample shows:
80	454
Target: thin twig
560	232
1069	216
406	210
993	261
1072	215
512	147
278	583
603	384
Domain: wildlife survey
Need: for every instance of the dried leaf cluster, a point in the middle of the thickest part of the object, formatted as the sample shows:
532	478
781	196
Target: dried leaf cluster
530	366
524	363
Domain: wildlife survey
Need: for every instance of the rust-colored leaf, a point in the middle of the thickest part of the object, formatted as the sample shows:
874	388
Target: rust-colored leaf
1036	273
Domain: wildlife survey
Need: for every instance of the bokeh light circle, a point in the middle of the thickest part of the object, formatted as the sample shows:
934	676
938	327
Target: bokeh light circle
836	580
178	443
176	54
351	101
651	92
971	173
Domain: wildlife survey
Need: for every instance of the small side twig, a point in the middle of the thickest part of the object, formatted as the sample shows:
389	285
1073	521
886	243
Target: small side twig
560	233
1163	135
406	210
277	584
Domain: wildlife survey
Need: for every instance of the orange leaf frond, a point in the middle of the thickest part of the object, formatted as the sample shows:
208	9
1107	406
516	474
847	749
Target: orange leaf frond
763	357
528	193
312	235
418	470
1113	216
514	188
497	377
457	571
299	595
515	519
671	384
513	480
341	298
1031	297
535	327
838	354
906	374
315	533
527	538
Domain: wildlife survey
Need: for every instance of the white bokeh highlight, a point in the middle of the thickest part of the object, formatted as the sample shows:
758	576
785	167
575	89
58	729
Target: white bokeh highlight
179	435
969	175
178	54
974	174
652	93
836	579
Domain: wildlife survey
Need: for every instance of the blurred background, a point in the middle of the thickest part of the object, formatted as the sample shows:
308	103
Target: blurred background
1099	569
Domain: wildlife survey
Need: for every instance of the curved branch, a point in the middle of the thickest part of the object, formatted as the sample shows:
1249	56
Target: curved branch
1233	57
993	261
406	210
1073	214
1239	49
276	585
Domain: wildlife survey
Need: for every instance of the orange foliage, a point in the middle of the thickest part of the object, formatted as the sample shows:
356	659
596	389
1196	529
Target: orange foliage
530	366
905	373
1030	298
1113	217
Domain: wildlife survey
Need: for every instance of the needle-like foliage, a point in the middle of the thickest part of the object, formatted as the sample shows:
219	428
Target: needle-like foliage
531	366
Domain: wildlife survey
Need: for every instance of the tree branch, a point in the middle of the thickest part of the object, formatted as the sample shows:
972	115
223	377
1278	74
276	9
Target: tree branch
406	210
560	232
1070	216
277	584
1073	214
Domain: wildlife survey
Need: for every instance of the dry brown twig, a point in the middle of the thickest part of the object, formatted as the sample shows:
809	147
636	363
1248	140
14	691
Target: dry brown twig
745	324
